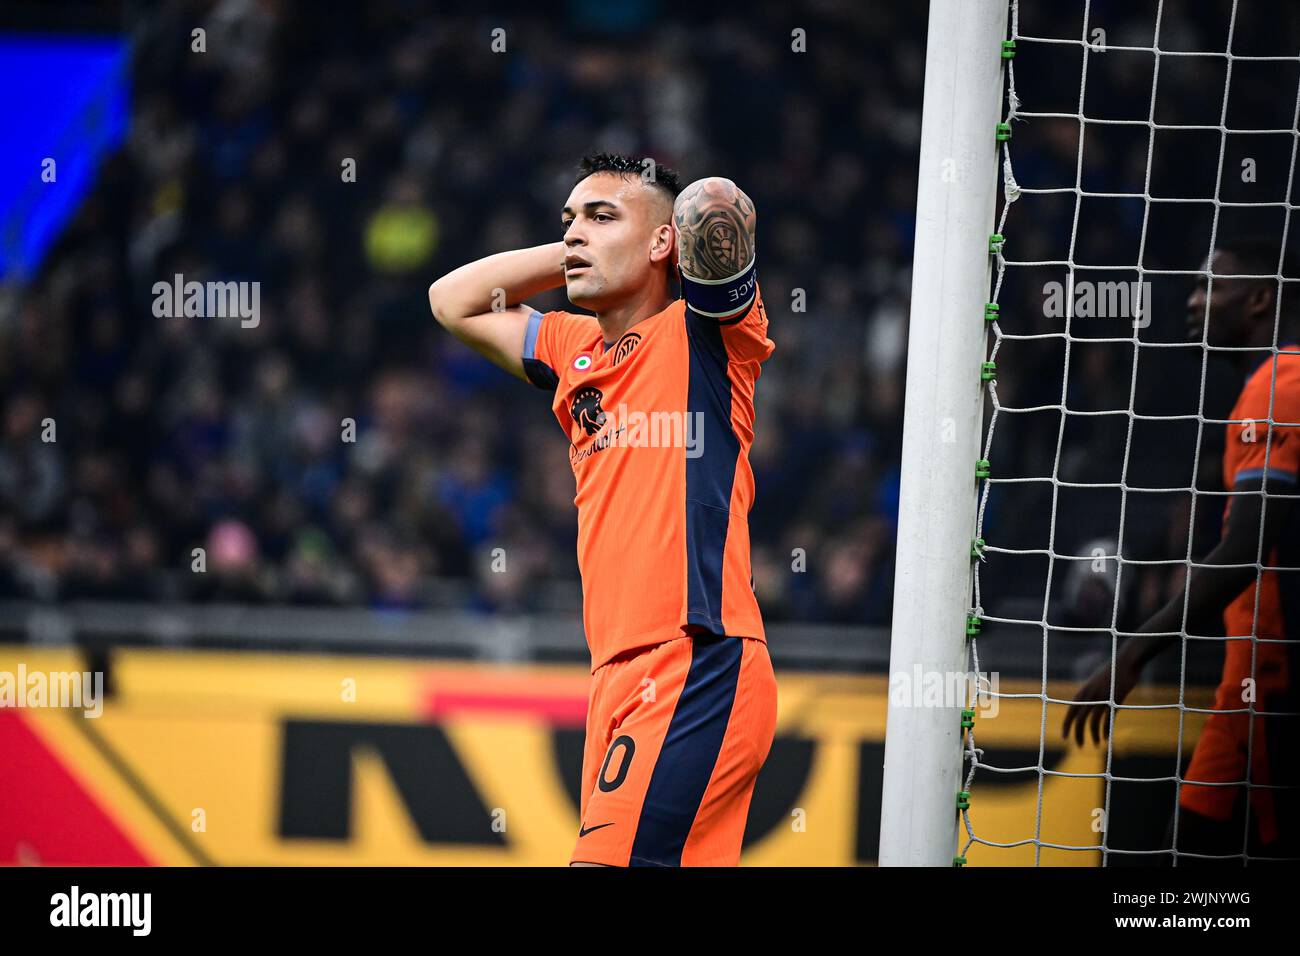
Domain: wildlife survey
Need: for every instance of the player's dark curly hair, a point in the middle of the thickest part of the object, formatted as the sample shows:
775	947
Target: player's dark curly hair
665	178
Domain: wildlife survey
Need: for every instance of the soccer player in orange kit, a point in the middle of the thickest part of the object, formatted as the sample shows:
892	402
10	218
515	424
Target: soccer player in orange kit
656	396
1261	461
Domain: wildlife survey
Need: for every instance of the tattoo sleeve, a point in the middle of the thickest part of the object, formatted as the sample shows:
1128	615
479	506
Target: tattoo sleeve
715	229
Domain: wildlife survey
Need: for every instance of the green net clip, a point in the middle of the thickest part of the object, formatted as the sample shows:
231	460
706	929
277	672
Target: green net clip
995	242
990	311
1008	49
963	799
982	468
958	861
1003	132
972	626
967	718
988	372
977	548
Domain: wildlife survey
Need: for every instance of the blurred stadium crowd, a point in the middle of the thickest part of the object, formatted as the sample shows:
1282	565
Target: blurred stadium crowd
180	433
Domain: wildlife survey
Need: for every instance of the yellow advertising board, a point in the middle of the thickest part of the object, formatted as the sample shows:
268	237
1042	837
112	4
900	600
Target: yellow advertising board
255	759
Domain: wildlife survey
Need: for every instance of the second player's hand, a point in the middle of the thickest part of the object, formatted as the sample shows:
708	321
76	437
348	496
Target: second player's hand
1128	670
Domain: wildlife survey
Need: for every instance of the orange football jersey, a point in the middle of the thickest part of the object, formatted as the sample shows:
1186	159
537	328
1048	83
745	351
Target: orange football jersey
1244	460
1264	443
660	424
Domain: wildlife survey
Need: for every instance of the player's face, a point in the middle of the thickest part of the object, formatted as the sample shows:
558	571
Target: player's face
613	226
1230	304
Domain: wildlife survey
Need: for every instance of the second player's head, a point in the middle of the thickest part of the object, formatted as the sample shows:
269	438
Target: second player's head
1242	312
618	230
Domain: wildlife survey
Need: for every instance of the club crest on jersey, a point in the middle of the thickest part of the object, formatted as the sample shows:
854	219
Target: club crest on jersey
625	346
582	362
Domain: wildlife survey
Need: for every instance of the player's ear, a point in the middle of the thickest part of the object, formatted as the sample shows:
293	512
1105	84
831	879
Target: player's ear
1262	300
662	243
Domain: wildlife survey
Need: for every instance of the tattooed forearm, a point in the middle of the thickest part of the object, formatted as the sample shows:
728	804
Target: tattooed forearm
715	228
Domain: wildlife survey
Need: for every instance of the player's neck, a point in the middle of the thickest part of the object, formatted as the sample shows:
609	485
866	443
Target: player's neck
1248	361
616	320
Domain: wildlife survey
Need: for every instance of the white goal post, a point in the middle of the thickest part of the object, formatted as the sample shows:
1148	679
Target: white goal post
956	196
1103	489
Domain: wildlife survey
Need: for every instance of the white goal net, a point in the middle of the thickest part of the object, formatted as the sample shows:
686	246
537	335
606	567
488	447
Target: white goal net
1141	292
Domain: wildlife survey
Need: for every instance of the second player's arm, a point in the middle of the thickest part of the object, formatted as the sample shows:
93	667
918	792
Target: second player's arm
1211	586
481	303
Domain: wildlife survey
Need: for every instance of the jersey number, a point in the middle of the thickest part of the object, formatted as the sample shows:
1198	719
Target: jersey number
629	745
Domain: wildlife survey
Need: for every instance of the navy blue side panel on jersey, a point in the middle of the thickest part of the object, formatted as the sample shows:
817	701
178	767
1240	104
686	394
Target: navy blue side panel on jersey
538	372
710	475
689	751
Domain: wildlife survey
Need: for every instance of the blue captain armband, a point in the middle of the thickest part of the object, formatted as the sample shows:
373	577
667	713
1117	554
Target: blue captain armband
721	298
